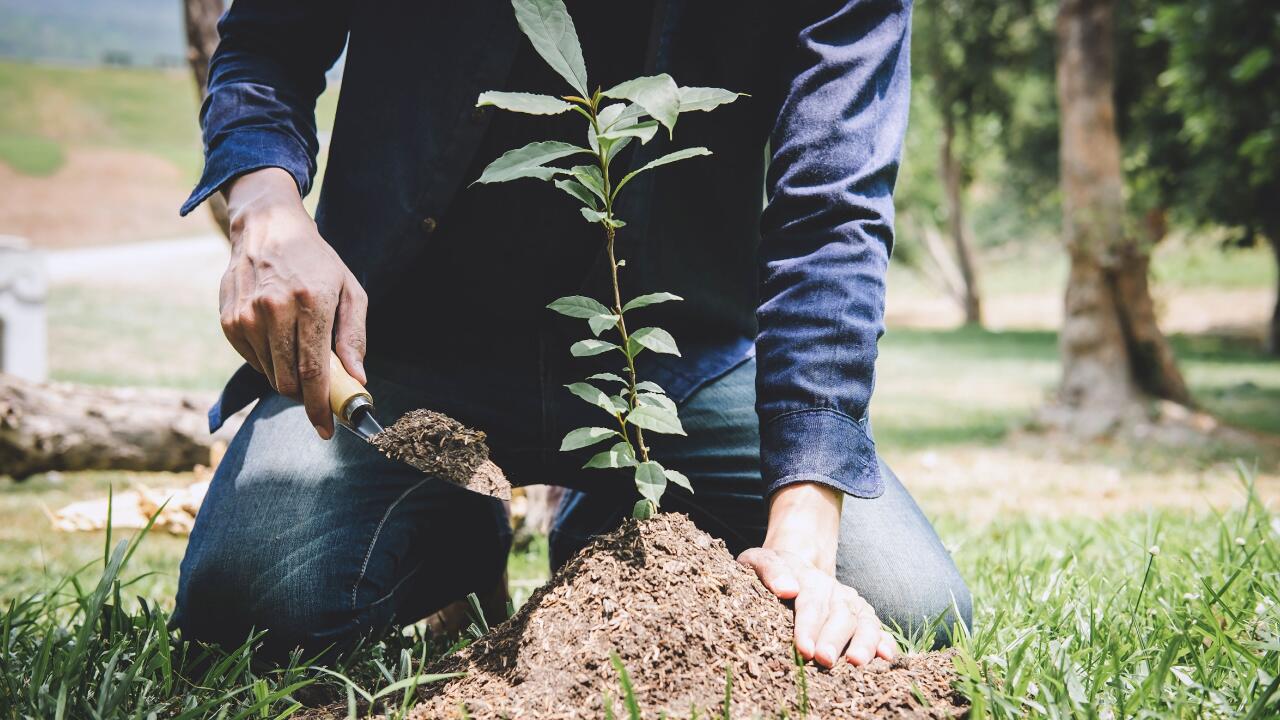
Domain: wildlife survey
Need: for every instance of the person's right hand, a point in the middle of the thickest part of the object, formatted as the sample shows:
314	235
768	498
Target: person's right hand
285	291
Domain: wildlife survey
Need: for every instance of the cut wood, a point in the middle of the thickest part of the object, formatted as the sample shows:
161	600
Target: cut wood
68	427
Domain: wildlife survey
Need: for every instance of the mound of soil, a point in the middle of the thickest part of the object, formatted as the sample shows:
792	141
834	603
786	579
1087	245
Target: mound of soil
438	445
678	610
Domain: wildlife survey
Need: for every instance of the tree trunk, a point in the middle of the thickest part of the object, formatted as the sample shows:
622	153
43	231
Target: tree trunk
1154	367
1113	353
59	426
953	183
1273	331
201	20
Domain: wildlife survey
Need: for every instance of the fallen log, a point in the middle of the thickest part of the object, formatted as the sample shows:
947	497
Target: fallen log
69	427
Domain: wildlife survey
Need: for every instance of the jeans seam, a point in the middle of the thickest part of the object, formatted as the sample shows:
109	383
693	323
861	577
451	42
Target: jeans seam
364	565
396	587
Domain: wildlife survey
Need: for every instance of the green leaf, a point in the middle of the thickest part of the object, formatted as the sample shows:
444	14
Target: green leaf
593	395
600	323
548	26
578	306
651	481
656	339
642	510
664	160
650	386
576	189
657	94
585	437
607	376
592	216
591	177
656	400
529	161
678	478
619	404
529	103
659	420
616	147
587	348
610	114
647	300
644	131
704	98
618	456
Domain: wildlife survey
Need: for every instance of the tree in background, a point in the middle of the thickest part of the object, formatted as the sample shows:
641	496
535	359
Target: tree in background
200	18
959	52
1114	355
1213	108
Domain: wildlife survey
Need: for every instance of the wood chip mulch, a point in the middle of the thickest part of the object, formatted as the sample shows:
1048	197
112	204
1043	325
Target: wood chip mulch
678	610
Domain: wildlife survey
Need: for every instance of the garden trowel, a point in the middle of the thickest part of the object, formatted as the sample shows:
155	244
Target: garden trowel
430	442
352	405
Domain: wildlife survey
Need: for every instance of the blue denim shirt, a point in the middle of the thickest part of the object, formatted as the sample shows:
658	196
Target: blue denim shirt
800	284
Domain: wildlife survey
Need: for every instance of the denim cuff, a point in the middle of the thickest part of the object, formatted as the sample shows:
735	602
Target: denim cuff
245	150
822	446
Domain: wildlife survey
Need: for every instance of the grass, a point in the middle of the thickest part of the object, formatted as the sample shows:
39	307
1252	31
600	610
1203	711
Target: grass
973	385
45	109
31	154
1152	614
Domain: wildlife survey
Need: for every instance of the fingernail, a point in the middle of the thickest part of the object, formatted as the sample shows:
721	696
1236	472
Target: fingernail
322	432
860	656
826	655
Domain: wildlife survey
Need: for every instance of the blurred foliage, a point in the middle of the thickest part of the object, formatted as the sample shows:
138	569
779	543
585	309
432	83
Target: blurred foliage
1216	93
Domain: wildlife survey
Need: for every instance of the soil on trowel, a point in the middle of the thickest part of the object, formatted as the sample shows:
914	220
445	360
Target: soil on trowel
440	446
678	610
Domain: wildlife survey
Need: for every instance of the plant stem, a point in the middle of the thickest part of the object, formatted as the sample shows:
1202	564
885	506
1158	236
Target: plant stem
602	159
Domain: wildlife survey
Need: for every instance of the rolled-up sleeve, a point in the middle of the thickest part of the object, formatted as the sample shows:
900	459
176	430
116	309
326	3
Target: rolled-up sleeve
264	79
827	231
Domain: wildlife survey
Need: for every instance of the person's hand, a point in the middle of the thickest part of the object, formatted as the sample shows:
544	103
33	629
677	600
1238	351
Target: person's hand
285	291
797	562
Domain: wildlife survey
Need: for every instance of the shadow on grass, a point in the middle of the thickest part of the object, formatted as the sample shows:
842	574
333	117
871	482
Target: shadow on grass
1230	377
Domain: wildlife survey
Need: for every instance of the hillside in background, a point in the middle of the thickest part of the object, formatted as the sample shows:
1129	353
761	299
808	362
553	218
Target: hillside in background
141	32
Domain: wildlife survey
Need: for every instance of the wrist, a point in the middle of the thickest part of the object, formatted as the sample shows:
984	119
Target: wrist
804	519
261	195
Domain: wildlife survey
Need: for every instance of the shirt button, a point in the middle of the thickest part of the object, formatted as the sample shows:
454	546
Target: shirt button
428	225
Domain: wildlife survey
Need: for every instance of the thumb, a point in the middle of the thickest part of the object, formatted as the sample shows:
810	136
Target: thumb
349	330
773	571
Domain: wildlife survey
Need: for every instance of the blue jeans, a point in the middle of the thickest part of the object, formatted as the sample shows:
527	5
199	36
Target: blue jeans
321	543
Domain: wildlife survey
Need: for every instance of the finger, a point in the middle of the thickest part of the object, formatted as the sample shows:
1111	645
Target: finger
350	345
282	343
315	327
773	571
229	317
253	322
842	620
888	647
812	605
866	639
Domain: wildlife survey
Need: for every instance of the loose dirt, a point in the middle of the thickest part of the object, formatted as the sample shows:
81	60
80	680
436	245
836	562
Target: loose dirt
679	611
438	445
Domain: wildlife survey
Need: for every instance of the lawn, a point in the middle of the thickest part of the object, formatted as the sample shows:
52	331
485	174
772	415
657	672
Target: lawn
1155	614
46	108
1074	615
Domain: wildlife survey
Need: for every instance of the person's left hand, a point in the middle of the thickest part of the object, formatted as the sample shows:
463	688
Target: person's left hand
797	562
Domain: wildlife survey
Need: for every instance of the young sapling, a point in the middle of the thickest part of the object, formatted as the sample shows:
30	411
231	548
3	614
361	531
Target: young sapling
643	104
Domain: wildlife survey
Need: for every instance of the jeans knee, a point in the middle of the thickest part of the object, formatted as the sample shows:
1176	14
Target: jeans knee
225	600
940	609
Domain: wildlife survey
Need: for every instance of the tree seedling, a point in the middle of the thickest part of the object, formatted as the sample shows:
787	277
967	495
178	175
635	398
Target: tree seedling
642	105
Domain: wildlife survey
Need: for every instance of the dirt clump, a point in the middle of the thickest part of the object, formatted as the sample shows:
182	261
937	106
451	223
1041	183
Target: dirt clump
678	610
442	447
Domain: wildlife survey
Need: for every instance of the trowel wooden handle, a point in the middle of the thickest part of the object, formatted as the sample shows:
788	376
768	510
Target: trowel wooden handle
343	389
